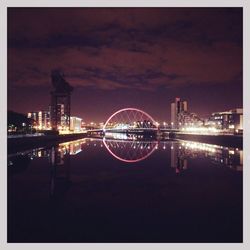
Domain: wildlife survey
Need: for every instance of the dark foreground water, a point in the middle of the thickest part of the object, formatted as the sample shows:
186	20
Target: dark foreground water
117	190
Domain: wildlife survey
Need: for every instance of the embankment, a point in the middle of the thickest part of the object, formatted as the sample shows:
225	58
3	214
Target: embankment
222	140
24	143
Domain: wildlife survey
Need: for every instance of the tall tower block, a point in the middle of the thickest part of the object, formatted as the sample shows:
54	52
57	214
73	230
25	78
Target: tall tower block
60	101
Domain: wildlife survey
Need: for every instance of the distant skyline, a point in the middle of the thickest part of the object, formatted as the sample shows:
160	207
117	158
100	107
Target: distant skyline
126	57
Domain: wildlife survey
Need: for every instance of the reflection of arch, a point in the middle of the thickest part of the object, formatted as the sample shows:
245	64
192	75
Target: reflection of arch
126	110
139	157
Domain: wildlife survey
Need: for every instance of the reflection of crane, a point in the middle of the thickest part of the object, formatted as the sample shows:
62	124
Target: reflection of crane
60	171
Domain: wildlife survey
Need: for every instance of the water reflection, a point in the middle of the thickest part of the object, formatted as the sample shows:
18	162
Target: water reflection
182	151
73	180
60	170
71	148
48	184
18	164
131	150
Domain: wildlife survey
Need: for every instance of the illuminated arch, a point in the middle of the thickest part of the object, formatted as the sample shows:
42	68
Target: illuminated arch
135	111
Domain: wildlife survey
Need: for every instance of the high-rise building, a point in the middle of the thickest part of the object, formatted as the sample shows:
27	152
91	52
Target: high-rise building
173	115
60	101
41	119
75	124
185	106
177	108
229	120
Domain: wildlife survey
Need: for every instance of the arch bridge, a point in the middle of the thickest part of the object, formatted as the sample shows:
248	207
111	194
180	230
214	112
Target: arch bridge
129	120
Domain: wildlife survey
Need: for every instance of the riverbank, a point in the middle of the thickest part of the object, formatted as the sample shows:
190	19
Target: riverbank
222	140
24	143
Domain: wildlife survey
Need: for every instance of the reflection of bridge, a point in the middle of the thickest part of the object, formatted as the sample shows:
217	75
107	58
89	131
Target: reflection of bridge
130	151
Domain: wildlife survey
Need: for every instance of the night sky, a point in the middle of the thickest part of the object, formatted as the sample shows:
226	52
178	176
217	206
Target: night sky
126	57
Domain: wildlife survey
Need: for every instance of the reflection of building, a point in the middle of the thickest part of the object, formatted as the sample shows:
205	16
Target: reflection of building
75	123
60	101
39	153
232	120
41	119
181	152
60	165
60	171
178	160
73	147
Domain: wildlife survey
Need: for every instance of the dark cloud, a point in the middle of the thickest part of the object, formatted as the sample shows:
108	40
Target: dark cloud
137	49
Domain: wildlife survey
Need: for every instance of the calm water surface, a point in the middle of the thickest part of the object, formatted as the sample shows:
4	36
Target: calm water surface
120	190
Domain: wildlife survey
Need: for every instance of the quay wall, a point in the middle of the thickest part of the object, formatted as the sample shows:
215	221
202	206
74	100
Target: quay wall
24	143
222	140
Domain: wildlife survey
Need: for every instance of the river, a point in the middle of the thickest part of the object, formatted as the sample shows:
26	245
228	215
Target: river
120	189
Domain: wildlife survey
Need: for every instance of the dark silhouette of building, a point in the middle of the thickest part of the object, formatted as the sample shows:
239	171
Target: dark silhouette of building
60	101
19	123
177	108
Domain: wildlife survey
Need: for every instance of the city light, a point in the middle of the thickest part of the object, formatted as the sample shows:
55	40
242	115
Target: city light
201	129
140	139
132	118
200	146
